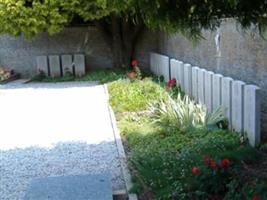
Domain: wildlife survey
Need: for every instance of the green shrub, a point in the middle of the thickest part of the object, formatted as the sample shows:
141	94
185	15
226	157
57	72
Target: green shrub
184	114
104	75
101	75
246	191
128	96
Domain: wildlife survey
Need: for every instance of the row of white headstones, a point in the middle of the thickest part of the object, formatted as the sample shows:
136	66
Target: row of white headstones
240	100
56	66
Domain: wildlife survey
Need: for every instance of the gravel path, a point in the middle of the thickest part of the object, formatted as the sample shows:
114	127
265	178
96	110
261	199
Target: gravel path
53	130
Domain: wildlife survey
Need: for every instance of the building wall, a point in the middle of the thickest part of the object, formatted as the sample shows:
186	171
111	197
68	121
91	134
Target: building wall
243	56
20	54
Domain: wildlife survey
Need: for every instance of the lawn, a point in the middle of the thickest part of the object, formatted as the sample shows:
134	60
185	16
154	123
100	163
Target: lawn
176	150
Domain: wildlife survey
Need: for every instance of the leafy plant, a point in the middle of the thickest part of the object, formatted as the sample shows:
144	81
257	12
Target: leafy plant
40	76
247	191
132	96
171	166
184	114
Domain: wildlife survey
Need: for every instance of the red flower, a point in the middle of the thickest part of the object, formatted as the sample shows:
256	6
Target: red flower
225	163
195	170
256	197
132	75
207	159
213	164
172	83
134	63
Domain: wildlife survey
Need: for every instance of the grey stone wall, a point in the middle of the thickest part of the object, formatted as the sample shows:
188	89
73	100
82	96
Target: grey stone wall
243	56
20	54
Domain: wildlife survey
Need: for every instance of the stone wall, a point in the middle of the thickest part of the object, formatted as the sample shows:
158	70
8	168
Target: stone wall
242	56
20	54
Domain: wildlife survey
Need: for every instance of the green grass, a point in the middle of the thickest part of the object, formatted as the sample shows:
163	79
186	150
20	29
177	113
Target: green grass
104	75
101	75
128	96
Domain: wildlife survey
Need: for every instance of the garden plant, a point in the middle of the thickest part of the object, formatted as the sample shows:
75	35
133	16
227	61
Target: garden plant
176	149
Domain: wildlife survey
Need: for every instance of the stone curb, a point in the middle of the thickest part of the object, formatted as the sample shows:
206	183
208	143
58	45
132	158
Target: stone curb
121	152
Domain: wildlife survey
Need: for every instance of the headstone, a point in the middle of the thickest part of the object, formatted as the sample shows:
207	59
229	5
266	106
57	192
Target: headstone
79	63
82	187
153	63
195	82
54	65
157	58
201	86
238	106
227	98
42	64
164	67
208	90
216	91
181	74
252	112
174	69
66	63
188	79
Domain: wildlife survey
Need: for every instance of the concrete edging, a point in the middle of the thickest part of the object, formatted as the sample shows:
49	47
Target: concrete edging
121	152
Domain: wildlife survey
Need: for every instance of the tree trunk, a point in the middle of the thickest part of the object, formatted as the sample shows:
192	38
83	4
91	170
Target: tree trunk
122	36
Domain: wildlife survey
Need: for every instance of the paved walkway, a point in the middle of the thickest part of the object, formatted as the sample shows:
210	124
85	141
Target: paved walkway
53	130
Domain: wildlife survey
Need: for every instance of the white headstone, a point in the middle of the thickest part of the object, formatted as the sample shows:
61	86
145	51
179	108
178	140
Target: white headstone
195	82
66	62
174	69
54	65
188	79
42	64
201	86
238	106
158	64
227	98
208	90
165	67
216	91
153	63
181	74
79	63
252	113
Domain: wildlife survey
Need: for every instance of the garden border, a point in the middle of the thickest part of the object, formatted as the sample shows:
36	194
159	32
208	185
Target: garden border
122	156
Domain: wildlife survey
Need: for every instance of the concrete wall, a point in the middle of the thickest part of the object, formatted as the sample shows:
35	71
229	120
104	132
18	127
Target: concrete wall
20	54
243	56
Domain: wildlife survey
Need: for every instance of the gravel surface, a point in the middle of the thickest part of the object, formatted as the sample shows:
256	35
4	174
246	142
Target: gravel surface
53	130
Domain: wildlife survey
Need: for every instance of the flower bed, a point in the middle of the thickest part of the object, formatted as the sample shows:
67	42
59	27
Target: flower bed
7	75
185	160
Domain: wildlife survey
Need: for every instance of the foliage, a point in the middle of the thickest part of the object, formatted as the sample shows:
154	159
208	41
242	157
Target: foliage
184	114
101	75
132	96
104	75
32	16
247	191
136	73
169	163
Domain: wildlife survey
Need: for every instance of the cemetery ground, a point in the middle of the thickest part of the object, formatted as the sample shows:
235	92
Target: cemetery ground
172	153
169	154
